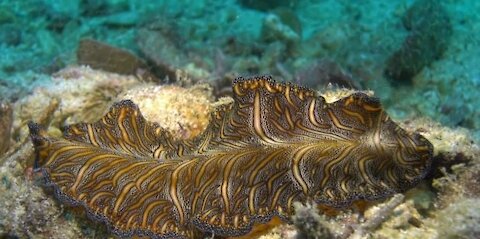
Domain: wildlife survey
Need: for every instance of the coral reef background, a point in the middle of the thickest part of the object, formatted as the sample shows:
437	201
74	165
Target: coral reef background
67	61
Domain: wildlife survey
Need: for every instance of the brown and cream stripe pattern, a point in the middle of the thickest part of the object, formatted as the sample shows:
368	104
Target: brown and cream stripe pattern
276	144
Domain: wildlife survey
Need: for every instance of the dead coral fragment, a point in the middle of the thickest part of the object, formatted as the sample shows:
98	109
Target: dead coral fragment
378	216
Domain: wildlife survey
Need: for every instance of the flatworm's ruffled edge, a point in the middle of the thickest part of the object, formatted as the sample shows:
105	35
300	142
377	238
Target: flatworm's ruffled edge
238	232
37	137
403	187
269	79
62	197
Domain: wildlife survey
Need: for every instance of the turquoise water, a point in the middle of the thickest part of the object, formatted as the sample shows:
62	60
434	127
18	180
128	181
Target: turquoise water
305	41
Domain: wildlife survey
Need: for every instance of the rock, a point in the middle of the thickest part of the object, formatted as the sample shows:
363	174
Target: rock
102	56
430	30
184	112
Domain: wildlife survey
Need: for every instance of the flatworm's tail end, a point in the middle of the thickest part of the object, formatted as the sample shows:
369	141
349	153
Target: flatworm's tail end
38	135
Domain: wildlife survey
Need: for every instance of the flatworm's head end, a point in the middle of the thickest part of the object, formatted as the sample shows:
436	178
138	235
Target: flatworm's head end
410	154
37	133
416	154
40	141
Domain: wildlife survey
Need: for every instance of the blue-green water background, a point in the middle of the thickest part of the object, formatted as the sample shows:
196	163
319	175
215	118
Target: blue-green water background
301	41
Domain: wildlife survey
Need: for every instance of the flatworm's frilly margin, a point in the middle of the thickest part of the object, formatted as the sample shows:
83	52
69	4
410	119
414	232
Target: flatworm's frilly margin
274	145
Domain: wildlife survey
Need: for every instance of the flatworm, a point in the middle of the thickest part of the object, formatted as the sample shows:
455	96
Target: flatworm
275	144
